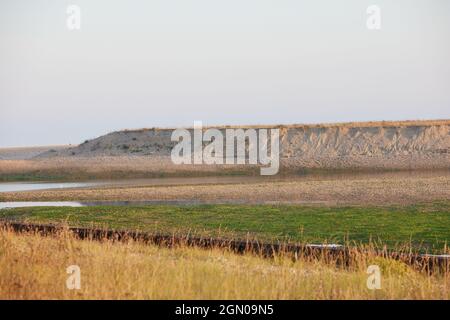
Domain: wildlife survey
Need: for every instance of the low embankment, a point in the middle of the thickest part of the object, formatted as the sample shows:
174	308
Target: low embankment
369	145
407	145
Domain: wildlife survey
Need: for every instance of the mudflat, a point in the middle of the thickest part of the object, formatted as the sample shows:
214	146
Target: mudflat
356	189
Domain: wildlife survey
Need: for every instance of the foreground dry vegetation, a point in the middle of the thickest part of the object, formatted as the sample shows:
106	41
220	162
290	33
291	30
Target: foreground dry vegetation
34	267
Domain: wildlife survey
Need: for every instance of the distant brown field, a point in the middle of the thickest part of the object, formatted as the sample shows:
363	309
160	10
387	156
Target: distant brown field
108	167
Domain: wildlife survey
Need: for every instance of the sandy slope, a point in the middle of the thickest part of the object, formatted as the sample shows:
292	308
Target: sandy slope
412	145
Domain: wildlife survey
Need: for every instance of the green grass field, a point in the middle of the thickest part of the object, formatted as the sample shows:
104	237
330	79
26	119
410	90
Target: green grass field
425	226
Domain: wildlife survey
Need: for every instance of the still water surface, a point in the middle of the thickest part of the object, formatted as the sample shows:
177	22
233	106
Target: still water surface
32	186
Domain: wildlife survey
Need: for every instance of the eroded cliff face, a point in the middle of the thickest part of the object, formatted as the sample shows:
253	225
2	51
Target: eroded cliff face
341	141
386	145
378	147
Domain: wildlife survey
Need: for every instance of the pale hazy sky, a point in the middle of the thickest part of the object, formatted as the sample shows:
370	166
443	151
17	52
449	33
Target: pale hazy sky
169	62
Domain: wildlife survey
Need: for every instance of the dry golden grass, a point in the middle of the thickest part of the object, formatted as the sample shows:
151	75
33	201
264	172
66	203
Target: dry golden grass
109	167
85	165
34	267
354	124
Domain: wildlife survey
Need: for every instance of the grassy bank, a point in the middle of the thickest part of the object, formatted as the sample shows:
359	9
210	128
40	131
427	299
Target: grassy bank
423	226
34	267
